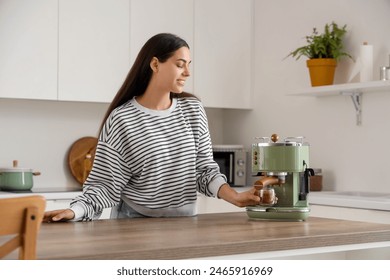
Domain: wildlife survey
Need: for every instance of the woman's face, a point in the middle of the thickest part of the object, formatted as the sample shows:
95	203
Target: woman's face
172	74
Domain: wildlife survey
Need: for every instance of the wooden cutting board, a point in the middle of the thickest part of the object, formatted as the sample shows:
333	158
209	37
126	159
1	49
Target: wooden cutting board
77	156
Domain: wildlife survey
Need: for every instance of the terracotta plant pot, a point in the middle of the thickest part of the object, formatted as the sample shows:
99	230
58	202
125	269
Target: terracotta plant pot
321	71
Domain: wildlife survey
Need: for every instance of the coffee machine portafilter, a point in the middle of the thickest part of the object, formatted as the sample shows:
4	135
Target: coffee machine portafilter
283	184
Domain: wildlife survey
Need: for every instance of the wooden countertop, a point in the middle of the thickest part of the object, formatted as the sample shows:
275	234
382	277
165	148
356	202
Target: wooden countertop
195	237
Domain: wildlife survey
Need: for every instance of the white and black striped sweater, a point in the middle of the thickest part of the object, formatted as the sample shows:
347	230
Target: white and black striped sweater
156	161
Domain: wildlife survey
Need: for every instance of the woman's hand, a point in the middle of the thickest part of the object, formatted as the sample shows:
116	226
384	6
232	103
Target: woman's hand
240	199
247	198
58	215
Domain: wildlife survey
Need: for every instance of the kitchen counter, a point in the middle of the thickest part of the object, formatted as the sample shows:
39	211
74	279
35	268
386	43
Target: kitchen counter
352	199
203	236
48	193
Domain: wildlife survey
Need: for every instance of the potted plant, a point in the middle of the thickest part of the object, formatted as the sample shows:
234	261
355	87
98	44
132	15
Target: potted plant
323	51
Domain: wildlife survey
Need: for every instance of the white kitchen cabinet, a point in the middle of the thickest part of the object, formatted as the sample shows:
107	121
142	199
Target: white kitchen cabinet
55	200
223	53
150	17
94	50
206	205
82	50
28	49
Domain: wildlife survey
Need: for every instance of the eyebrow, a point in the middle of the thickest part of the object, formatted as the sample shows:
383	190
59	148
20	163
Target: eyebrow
185	61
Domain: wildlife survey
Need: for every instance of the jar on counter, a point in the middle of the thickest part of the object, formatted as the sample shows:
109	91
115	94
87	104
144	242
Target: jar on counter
316	180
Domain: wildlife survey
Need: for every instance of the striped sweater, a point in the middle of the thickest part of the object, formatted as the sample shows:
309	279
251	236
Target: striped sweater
155	161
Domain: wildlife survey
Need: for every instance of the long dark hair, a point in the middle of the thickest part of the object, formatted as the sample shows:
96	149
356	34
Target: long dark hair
162	46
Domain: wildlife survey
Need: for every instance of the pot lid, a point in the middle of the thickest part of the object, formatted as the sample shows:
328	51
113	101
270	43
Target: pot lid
15	168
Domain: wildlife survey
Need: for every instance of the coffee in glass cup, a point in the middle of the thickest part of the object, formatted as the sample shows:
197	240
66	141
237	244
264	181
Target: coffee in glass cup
267	196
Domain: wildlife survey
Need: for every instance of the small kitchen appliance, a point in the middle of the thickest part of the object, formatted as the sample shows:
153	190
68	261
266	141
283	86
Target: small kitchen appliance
231	160
284	173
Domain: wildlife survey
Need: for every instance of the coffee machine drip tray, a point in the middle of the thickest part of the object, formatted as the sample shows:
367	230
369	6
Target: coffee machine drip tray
278	213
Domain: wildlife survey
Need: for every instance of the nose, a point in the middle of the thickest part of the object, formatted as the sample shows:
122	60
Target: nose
186	71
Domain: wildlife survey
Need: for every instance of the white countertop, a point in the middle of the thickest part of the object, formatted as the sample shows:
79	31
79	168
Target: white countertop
352	199
61	193
48	193
349	199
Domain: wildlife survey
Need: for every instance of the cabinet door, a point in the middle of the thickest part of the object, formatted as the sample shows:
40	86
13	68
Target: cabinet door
93	49
222	61
28	49
150	17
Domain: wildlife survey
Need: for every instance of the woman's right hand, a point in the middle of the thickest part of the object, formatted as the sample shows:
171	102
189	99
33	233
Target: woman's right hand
60	215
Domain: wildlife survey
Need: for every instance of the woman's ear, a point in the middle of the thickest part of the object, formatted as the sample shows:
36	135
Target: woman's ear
154	64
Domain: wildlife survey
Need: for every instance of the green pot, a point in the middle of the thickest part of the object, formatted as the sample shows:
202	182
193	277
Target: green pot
16	179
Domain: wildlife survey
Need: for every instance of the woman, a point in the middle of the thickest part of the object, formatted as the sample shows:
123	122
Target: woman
154	150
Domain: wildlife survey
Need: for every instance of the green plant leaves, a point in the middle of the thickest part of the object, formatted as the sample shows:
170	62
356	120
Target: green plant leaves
329	44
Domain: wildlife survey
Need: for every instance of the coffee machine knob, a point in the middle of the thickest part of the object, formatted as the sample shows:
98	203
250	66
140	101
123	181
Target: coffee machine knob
240	162
240	173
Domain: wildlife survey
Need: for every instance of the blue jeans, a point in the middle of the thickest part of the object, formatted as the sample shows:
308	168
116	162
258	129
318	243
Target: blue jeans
124	211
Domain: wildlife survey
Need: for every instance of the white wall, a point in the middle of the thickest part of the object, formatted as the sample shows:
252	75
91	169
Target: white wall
39	133
352	157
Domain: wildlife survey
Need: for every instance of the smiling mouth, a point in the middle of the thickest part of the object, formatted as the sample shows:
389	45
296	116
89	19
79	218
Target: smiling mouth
181	82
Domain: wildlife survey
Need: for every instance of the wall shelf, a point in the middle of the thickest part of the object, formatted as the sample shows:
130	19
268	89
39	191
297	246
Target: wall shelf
354	90
374	86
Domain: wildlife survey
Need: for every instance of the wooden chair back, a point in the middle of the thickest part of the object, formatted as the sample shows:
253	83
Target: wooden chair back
20	220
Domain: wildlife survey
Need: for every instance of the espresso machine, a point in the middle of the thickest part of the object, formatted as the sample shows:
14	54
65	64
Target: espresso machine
283	184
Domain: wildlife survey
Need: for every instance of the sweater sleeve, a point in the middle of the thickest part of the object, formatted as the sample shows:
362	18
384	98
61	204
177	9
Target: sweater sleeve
209	177
105	182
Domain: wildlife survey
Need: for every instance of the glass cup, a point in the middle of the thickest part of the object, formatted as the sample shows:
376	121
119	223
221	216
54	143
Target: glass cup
268	196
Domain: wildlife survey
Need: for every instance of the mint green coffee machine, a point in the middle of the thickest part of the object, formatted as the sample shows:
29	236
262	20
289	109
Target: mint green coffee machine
283	178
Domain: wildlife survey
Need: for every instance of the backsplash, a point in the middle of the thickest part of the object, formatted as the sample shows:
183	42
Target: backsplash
39	133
